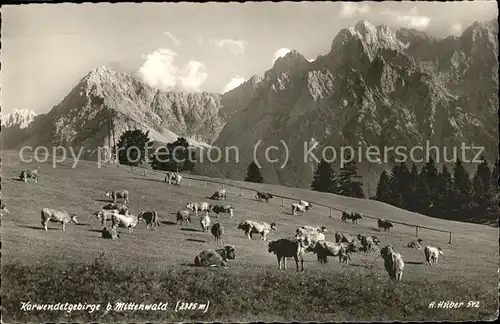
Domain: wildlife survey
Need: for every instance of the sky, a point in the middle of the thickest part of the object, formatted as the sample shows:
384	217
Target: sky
213	47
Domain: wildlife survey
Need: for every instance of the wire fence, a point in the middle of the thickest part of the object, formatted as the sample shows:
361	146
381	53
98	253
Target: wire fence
190	179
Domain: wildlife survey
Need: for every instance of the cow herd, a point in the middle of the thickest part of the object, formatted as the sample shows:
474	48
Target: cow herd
305	238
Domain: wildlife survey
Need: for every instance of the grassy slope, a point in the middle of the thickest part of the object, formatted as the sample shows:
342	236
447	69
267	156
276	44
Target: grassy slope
472	258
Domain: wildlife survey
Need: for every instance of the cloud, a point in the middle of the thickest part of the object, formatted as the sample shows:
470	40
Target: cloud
236	47
173	38
456	29
350	9
193	76
233	83
280	53
412	20
159	71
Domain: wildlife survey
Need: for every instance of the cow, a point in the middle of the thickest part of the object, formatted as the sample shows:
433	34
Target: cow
199	206
250	226
369	243
393	262
217	209
169	177
31	174
105	215
306	204
121	208
287	248
298	208
386	225
205	223
217	231
344	237
219	195
310	229
109	233
215	258
151	219
128	221
183	216
3	210
432	254
263	196
118	195
415	244
322	249
311	237
354	217
57	216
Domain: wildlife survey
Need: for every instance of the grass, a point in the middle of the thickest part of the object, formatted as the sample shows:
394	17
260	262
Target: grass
55	266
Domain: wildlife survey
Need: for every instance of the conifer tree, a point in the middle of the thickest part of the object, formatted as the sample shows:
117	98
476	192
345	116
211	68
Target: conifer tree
325	179
253	173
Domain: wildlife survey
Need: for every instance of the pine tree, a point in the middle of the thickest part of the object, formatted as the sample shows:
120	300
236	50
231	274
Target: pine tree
481	185
132	147
422	195
430	172
444	199
413	182
383	190
253	174
461	189
396	198
325	179
349	181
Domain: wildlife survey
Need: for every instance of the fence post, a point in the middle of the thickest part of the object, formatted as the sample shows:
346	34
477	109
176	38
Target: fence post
241	192
450	239
222	186
330	213
205	183
189	182
416	230
282	201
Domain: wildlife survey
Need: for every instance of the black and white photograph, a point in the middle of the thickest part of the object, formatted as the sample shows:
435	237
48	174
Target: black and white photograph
240	162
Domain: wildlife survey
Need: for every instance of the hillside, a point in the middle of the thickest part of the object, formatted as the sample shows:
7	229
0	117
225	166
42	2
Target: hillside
172	247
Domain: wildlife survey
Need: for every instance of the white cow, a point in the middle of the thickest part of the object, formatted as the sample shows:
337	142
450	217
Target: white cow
250	226
128	221
113	194
105	215
393	262
199	206
432	254
298	208
205	223
57	216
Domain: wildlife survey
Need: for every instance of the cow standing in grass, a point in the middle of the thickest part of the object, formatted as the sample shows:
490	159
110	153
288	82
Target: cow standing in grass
183	216
287	248
128	221
218	231
393	262
57	216
263	196
386	225
118	195
151	219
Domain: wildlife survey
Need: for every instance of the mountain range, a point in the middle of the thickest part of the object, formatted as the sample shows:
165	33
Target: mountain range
375	87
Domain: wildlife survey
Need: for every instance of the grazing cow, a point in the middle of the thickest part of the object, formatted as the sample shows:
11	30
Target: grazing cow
217	209
199	206
32	174
369	243
311	229
176	177
121	208
250	226
298	208
128	221
344	237
215	258
105	215
306	204
432	254
151	219
287	248
183	216
386	225
219	195
415	245
323	249
263	196
354	217
311	234
118	195
109	233
3	209
217	231
205	223
393	262
57	216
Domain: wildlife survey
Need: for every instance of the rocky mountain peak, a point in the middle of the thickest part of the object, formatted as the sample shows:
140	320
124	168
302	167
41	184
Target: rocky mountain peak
21	118
293	60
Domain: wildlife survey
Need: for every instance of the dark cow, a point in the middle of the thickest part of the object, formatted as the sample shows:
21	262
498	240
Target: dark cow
386	225
217	231
354	217
215	258
151	219
263	196
287	248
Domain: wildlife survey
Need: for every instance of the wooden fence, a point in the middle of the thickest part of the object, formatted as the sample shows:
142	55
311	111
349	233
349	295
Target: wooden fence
331	208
